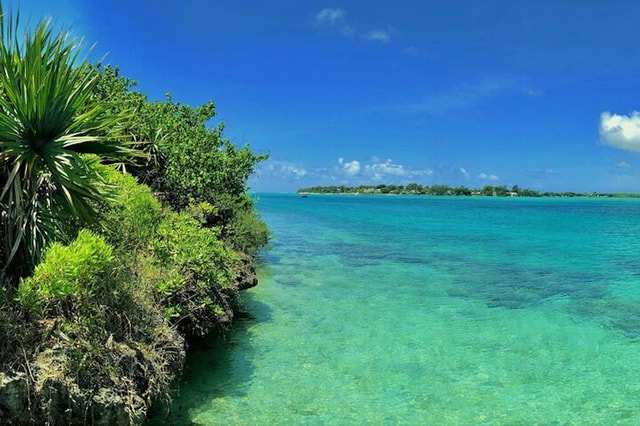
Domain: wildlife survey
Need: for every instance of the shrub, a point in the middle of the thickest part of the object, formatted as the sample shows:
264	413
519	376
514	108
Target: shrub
198	252
247	232
102	343
197	288
81	268
130	218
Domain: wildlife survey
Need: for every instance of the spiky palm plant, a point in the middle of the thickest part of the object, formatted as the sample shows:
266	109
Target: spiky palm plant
48	119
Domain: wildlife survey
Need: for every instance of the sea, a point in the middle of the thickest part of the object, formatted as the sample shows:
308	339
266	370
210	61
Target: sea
422	310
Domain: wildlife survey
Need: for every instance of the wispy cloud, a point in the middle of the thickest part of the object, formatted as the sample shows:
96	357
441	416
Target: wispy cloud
460	97
283	169
412	51
538	175
379	35
331	16
488	177
621	131
623	165
370	171
336	19
530	91
377	170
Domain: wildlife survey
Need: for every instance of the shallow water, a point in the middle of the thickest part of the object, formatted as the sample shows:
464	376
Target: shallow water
427	310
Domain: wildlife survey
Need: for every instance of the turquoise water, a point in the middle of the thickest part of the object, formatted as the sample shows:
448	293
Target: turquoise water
426	310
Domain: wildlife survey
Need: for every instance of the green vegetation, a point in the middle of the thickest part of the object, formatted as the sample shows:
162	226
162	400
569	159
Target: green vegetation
48	118
441	190
126	228
67	272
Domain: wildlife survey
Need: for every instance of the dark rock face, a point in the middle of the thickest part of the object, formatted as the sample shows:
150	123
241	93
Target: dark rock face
55	392
246	277
14	397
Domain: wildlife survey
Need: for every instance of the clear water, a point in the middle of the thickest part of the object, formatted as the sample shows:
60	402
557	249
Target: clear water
426	310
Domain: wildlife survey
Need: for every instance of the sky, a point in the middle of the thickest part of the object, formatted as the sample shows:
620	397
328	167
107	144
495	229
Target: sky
541	94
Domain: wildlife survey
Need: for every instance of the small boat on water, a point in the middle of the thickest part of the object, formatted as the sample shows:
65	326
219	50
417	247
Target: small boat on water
304	195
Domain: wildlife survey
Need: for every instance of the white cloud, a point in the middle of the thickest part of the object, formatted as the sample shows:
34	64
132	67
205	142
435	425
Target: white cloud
331	16
386	168
621	131
484	176
375	170
350	168
379	35
336	19
283	169
465	173
290	170
623	165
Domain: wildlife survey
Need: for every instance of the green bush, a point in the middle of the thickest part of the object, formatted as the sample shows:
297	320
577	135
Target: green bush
130	218
198	252
81	268
247	232
187	160
198	282
240	224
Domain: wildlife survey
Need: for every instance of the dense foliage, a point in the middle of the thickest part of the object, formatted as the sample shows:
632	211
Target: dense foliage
48	117
188	162
126	229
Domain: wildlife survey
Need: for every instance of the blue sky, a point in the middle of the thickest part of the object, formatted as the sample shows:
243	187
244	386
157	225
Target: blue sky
541	94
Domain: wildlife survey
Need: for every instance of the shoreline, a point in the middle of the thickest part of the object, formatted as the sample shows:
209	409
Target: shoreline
554	195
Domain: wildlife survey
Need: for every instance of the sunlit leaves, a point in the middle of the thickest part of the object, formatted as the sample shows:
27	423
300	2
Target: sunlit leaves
48	119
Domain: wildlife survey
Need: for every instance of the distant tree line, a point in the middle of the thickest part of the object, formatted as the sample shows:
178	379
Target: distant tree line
417	189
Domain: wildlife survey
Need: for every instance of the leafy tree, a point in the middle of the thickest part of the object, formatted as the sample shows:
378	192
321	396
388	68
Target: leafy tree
529	193
461	190
501	191
48	118
193	163
487	190
413	188
189	161
440	189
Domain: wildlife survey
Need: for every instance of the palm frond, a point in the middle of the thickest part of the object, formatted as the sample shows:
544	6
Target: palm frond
48	119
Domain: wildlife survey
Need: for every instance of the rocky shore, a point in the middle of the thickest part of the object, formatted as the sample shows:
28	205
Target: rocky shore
43	389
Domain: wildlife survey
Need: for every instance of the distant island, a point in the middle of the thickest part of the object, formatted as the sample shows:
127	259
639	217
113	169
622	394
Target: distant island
446	190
